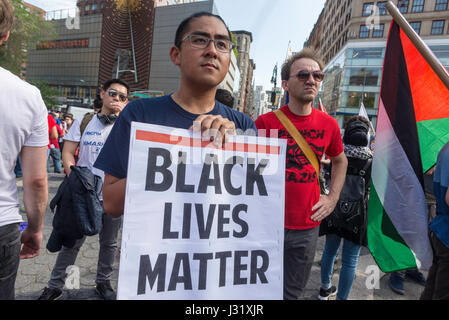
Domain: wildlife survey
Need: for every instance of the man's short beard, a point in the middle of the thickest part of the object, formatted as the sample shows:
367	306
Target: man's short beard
306	99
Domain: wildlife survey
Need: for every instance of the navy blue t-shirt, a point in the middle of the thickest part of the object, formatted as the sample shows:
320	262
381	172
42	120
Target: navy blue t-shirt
113	158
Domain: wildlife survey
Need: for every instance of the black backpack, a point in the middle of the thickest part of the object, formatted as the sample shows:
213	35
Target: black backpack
350	212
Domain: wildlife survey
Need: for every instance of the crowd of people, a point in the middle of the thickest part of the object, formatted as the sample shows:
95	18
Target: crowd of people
99	143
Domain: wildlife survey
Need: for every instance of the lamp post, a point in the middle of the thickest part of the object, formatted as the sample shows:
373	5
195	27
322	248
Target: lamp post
273	81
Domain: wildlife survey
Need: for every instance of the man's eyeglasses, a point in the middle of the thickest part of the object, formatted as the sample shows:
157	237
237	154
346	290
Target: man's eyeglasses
202	42
113	93
304	75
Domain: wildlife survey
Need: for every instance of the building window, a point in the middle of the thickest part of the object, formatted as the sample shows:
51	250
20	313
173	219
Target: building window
416	25
382	9
364	31
403	6
378	31
367	9
418	6
437	27
87	7
441	5
362	76
94	6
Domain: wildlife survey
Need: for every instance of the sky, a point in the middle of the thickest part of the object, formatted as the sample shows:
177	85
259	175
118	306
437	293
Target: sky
273	23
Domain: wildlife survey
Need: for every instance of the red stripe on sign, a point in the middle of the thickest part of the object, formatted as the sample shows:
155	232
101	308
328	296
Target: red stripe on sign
194	142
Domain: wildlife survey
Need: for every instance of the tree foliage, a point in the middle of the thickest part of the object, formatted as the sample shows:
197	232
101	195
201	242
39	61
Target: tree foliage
48	93
27	30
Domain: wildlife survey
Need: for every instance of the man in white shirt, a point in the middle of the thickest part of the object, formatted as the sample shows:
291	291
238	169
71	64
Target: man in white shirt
90	140
24	130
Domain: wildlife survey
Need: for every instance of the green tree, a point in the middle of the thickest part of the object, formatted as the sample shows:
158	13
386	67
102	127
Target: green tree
27	30
48	93
236	51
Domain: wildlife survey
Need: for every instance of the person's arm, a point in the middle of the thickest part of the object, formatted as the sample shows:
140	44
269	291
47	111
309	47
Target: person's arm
68	155
114	195
54	133
35	197
327	203
60	132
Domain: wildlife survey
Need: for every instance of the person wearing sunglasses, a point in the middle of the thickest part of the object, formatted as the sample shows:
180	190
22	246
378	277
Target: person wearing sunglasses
90	138
202	52
305	208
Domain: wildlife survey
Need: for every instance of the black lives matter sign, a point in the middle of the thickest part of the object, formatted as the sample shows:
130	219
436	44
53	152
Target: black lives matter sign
202	222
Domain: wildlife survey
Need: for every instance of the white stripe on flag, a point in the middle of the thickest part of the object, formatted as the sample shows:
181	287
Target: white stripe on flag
399	191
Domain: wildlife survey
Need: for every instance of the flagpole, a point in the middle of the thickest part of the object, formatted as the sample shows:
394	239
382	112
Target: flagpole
419	44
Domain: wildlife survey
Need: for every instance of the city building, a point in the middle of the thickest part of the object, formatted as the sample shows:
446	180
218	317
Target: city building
261	101
107	39
243	39
37	12
164	75
33	9
351	37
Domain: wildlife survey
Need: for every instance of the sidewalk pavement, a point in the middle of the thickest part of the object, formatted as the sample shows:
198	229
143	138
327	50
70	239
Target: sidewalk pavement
34	274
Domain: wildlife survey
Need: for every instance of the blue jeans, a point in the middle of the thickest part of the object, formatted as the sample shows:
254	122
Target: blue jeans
349	260
108	247
55	154
9	259
18	168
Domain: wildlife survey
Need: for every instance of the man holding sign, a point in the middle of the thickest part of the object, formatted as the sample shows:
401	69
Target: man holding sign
202	51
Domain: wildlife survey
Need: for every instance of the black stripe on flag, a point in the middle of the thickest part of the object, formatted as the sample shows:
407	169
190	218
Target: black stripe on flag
397	98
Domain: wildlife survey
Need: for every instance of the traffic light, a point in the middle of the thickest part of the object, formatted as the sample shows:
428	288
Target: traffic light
273	97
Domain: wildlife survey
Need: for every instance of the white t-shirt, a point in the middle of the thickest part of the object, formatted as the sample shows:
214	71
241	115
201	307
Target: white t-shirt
23	122
91	143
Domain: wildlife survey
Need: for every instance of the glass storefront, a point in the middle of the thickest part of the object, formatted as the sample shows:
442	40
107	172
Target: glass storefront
355	76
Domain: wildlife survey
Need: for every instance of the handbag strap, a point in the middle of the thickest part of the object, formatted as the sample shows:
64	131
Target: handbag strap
302	143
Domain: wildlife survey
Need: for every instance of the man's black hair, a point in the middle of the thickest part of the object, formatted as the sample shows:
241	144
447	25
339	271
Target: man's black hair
225	97
110	82
180	32
98	103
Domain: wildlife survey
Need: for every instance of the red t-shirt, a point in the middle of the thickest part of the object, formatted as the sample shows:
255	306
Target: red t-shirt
51	124
302	191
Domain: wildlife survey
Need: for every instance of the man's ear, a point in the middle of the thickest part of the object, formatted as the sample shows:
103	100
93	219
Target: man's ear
285	85
175	55
102	92
4	38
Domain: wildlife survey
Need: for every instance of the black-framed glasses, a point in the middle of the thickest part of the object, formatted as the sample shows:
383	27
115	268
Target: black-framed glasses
304	75
202	42
113	93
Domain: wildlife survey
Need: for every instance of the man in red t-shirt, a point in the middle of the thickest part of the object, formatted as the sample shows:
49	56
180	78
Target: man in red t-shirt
305	208
54	131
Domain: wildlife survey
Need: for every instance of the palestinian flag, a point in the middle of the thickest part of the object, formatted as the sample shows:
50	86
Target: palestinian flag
321	106
412	127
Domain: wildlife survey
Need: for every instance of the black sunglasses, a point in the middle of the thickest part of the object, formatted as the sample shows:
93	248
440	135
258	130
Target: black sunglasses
304	75
113	93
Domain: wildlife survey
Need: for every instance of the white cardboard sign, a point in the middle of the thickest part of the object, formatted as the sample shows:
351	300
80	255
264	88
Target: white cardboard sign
202	222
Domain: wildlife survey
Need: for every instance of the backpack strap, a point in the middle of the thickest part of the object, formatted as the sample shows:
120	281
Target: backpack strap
365	168
86	119
354	171
302	143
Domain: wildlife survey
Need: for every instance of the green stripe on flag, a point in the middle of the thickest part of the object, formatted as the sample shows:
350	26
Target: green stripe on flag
433	135
386	245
